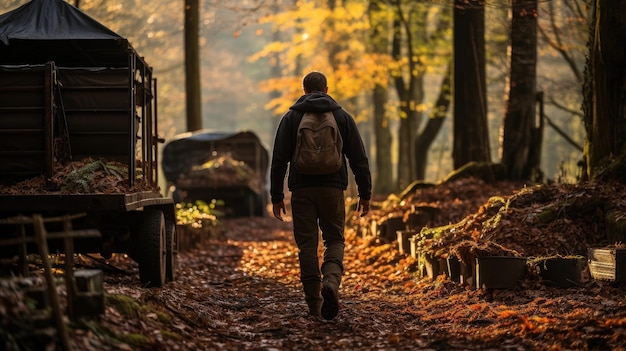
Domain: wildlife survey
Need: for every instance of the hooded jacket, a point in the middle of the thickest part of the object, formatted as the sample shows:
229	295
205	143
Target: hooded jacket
285	144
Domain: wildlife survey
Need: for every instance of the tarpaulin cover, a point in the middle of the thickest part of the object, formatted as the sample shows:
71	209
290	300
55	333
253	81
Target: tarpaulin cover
53	30
192	149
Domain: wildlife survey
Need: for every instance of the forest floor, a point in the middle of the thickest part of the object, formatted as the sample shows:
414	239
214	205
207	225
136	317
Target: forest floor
239	290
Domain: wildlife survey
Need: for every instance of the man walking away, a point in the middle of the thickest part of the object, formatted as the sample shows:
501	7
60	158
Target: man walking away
317	197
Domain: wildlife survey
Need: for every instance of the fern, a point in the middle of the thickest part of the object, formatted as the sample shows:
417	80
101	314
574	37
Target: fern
116	170
79	179
84	183
91	175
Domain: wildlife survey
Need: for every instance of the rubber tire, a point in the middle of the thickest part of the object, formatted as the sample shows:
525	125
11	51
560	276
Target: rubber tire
251	204
171	262
261	206
152	236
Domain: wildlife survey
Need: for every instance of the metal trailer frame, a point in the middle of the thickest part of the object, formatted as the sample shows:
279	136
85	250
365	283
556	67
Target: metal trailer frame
69	89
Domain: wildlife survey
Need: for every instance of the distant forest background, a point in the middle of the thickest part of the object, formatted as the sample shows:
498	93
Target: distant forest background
253	54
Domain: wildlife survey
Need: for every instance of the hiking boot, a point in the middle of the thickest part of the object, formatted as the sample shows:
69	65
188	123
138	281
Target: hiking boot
330	306
312	297
330	289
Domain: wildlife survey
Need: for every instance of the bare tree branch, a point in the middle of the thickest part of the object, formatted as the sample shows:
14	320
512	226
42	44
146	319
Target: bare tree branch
565	108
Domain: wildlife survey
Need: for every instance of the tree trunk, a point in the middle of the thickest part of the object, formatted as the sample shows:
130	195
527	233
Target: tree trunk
333	47
383	175
471	137
410	94
192	66
605	86
519	121
404	157
384	166
430	131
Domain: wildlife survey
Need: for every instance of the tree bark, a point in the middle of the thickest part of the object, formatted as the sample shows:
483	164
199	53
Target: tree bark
410	94
471	138
384	166
433	126
519	120
192	66
605	86
383	181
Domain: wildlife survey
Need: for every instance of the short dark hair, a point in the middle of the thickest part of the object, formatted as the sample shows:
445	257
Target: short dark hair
314	81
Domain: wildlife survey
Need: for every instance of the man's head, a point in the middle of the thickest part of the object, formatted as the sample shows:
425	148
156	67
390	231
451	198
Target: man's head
314	82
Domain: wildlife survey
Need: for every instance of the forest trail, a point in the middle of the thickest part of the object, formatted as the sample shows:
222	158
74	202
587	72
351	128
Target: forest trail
240	290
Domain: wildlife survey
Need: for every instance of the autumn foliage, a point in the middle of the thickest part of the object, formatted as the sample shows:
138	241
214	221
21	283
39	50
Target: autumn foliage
240	290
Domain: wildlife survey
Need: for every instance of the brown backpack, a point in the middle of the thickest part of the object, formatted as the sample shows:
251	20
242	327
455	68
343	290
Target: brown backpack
319	145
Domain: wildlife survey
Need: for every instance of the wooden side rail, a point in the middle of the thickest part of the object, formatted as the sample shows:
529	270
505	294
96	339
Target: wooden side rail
40	238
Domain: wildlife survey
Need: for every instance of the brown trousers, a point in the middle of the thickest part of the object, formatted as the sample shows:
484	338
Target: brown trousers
315	209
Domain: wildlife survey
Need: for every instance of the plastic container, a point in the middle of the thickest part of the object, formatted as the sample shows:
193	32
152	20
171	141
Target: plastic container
404	244
563	272
499	272
454	268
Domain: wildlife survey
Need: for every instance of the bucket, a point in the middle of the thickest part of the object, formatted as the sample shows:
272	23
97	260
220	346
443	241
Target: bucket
404	244
458	271
417	220
413	243
454	268
391	226
564	272
499	272
433	266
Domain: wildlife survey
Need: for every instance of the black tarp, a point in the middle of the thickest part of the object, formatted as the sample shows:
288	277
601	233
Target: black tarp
194	148
53	30
241	197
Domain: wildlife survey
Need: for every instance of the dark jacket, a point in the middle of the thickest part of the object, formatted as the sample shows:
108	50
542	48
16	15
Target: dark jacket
285	143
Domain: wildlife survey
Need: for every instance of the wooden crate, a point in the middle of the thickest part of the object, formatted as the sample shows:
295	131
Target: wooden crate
607	264
89	299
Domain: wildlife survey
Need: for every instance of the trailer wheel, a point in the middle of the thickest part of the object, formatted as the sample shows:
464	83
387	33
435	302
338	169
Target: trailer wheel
172	252
251	202
261	205
152	234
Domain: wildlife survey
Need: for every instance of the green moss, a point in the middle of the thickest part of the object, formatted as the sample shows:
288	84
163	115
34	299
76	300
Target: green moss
542	259
130	308
101	332
124	304
496	206
436	232
546	215
161	317
135	340
171	335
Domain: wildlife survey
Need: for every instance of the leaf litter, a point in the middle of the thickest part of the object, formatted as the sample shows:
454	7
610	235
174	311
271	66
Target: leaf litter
240	290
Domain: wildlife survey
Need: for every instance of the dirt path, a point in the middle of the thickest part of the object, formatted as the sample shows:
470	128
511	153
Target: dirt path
241	292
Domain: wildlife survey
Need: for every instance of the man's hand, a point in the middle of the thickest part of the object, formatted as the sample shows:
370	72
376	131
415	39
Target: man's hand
363	207
279	209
